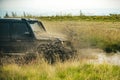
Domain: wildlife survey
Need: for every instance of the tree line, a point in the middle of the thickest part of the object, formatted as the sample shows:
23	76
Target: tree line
81	16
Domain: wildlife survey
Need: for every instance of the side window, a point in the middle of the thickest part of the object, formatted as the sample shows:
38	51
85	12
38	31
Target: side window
4	31
19	29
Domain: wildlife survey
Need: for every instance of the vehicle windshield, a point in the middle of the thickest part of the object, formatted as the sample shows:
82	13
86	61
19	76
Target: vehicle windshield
37	28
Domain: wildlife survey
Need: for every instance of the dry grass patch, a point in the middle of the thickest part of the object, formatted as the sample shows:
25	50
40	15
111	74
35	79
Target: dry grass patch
104	35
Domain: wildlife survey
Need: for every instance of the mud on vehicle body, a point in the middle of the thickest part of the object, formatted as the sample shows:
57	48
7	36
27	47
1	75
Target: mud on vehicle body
25	36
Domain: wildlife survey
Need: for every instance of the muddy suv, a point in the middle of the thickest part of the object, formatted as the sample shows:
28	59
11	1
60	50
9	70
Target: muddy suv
25	36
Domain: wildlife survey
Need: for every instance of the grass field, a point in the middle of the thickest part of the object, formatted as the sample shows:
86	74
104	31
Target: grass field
83	34
104	35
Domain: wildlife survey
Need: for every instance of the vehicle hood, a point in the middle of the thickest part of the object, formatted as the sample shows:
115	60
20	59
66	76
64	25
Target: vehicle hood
50	36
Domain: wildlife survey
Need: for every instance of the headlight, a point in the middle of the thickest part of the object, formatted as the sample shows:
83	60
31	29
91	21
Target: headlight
66	44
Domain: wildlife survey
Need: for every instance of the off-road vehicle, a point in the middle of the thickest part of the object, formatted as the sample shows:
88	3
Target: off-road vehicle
26	36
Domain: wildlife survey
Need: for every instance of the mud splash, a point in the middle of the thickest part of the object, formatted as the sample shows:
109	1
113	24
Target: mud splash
113	59
97	56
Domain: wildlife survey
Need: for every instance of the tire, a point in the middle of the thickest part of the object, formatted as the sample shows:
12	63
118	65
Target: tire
53	53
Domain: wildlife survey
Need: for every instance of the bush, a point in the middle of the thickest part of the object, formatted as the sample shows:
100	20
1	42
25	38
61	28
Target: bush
112	48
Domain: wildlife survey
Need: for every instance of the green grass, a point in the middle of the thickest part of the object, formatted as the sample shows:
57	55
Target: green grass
113	18
60	71
107	18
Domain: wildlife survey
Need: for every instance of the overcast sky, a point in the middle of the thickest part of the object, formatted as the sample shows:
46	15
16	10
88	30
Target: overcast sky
45	6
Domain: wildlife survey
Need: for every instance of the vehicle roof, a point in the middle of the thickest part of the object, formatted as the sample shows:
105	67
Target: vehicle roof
16	19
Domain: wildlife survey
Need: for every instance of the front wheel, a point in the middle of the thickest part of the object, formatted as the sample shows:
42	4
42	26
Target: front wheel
53	53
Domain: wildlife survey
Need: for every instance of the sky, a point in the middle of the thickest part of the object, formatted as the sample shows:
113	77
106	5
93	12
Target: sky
53	7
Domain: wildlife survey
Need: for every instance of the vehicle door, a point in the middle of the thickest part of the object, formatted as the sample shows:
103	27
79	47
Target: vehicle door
21	36
4	36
